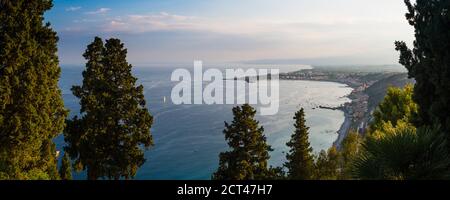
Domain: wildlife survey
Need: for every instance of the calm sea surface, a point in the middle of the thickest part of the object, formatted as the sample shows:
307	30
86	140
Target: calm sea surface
189	138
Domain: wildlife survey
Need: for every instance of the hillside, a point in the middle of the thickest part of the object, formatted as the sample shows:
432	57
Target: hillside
378	90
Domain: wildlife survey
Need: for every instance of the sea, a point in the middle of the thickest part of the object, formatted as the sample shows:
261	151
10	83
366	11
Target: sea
189	138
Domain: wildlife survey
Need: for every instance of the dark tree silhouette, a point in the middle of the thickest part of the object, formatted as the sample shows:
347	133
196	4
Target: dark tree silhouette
429	61
247	159
107	140
300	161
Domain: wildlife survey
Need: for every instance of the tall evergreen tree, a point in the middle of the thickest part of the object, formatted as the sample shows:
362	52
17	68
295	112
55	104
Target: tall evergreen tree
249	154
107	140
300	161
32	111
65	171
429	62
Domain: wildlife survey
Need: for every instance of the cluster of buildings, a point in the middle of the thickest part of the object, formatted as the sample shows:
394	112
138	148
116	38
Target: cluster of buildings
358	109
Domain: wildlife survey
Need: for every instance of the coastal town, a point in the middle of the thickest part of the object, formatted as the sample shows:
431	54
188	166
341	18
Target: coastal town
358	112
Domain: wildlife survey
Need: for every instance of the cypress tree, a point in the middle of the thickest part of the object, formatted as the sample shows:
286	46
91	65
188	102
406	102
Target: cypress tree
107	140
65	172
249	154
300	161
429	61
32	111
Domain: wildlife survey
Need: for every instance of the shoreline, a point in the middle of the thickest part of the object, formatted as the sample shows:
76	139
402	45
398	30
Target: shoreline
355	111
346	125
343	131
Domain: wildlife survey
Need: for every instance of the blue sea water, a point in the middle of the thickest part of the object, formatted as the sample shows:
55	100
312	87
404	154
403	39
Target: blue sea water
189	138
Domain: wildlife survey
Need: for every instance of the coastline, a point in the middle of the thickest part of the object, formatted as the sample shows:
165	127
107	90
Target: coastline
348	119
347	124
344	130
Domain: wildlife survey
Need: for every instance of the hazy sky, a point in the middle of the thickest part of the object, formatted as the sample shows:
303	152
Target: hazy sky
351	31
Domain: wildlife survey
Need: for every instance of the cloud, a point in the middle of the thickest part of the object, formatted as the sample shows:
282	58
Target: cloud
289	33
167	36
325	27
99	11
162	21
73	8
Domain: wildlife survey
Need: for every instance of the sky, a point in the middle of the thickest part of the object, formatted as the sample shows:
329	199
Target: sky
216	31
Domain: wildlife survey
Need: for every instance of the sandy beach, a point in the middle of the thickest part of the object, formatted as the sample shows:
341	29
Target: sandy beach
343	131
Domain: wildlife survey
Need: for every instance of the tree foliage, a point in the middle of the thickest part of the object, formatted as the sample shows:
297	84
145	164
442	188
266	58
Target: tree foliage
398	105
65	171
107	139
404	153
32	112
300	161
429	61
395	149
249	153
351	147
327	165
